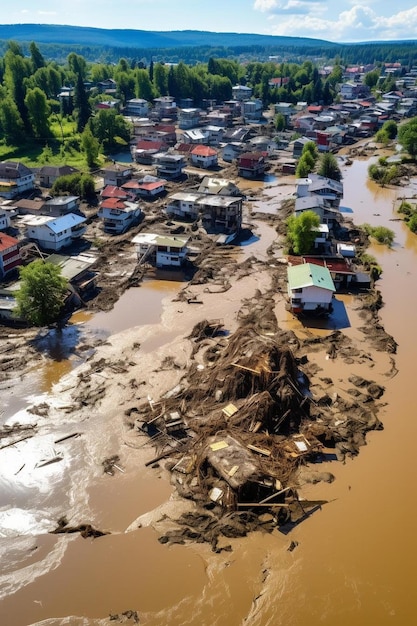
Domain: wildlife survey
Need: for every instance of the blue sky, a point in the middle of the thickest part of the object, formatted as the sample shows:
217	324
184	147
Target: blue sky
333	20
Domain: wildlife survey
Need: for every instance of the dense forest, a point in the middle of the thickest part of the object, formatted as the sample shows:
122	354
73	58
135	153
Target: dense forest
192	47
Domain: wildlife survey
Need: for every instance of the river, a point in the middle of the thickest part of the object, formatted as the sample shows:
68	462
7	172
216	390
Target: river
355	559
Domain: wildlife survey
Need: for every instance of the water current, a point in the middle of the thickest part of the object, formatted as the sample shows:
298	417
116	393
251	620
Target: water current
355	560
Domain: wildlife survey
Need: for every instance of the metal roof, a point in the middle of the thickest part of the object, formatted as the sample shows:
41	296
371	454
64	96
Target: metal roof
309	275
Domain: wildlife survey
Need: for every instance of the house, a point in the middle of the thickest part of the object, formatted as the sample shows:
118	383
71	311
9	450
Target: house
251	164
220	215
144	151
107	86
203	156
116	175
232	150
189	118
219	186
48	174
262	143
77	270
118	215
15	179
331	190
310	288
165	107
148	187
223	119
9	254
108	104
4	219
214	134
321	207
161	250
252	110
120	193
55	233
194	136
61	205
298	146
241	92
136	107
341	271
183	205
169	165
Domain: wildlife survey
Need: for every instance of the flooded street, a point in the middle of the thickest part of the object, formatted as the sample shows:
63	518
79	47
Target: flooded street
355	559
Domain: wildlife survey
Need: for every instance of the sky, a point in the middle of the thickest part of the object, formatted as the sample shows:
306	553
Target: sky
332	20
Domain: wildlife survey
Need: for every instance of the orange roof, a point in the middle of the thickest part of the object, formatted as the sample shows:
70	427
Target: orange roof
7	242
203	151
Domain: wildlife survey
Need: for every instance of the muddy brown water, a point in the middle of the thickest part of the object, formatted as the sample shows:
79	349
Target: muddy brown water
355	559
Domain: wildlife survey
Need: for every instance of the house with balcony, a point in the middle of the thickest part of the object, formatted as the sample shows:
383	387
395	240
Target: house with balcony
165	107
219	214
136	107
314	184
251	164
161	250
169	165
184	205
310	289
219	186
15	179
54	233
118	215
203	156
189	118
10	257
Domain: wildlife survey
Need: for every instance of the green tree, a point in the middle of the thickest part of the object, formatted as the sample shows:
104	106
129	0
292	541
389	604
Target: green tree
407	136
302	231
41	296
36	57
91	146
280	122
160	79
81	104
108	127
144	88
38	111
380	233
75	184
329	167
11	123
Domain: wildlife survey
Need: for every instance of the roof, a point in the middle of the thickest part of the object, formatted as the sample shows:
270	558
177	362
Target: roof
57	224
160	240
310	275
203	151
13	169
7	242
111	191
71	266
57	170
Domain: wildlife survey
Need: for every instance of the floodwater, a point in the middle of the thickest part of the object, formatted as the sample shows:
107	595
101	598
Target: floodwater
355	560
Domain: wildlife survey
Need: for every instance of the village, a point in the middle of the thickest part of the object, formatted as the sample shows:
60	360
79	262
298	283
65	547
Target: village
241	423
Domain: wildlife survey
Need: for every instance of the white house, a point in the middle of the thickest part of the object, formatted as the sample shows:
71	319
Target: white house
15	178
331	190
252	110
161	250
189	118
203	156
232	150
310	288
54	233
183	204
118	215
136	107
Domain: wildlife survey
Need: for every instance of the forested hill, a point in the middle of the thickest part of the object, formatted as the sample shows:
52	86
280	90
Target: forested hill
129	38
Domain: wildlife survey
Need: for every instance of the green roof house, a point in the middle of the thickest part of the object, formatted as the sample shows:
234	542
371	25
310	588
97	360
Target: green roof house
310	288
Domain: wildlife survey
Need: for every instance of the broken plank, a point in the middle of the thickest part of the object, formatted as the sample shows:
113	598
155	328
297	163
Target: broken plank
259	450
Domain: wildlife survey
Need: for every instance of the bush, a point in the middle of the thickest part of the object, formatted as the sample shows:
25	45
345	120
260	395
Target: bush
380	233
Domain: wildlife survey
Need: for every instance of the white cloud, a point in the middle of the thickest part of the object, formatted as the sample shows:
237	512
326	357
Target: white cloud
359	23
